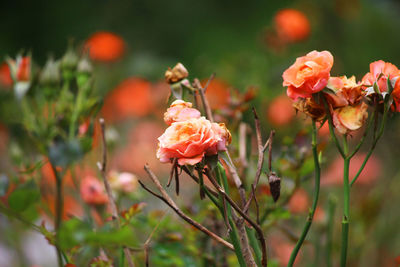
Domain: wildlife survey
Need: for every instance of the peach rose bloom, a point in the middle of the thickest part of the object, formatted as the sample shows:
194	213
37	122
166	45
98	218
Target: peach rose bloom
308	75
376	69
124	182
180	111
350	118
189	141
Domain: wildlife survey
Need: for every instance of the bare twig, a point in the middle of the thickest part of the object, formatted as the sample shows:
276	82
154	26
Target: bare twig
242	147
167	200
260	162
114	209
194	177
206	106
244	215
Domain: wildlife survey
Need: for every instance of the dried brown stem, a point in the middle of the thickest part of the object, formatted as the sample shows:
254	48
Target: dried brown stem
194	177
206	106
244	215
167	200
242	147
114	209
260	162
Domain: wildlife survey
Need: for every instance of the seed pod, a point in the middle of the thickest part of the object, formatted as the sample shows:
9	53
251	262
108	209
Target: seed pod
274	185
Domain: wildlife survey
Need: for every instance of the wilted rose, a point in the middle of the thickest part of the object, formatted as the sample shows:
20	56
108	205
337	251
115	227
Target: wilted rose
347	91
350	118
176	74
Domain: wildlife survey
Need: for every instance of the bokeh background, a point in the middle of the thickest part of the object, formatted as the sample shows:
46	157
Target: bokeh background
248	45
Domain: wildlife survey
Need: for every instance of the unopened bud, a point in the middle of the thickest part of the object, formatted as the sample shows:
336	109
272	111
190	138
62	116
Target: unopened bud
70	59
50	73
176	74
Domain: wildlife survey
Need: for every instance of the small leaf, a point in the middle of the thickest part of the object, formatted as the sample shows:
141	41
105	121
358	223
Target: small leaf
23	197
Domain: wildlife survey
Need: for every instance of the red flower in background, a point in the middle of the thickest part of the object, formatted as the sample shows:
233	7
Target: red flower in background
131	98
292	25
334	174
280	111
92	191
105	46
5	75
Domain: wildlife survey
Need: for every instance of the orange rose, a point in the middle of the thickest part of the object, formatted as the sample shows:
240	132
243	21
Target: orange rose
105	46
308	75
189	141
379	72
292	25
350	118
180	111
378	68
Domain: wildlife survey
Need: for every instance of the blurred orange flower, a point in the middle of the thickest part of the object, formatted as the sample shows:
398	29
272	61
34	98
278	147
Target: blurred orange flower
280	111
292	25
308	75
5	75
334	174
92	191
217	93
131	98
105	46
299	202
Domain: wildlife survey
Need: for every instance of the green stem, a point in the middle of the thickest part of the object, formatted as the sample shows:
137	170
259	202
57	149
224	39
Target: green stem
346	204
251	233
317	173
233	234
374	142
374	114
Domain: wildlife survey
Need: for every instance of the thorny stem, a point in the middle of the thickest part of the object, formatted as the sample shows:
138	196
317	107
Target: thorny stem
317	174
114	209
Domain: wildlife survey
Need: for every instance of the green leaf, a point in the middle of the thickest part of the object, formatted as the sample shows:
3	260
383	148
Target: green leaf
23	197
